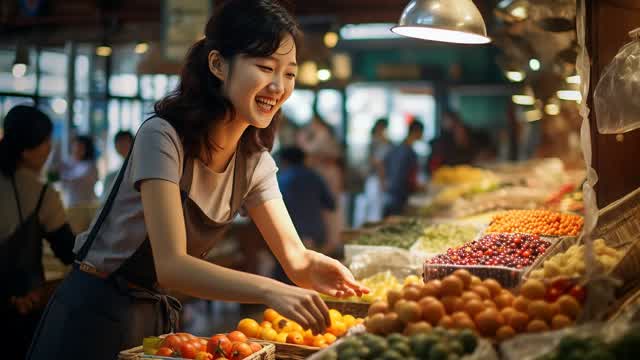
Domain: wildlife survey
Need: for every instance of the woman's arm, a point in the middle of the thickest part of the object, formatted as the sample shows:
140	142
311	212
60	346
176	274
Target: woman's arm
305	268
177	270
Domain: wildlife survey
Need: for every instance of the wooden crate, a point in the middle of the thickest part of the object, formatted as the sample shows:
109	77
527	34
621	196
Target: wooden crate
268	352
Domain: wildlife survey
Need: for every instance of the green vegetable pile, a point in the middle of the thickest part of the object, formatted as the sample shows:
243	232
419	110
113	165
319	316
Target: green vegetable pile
438	238
439	344
401	235
593	348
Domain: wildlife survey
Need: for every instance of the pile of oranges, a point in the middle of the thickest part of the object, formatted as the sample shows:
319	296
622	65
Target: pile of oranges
537	222
275	327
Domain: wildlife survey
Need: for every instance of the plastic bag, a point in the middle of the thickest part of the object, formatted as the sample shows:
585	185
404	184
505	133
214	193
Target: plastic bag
617	93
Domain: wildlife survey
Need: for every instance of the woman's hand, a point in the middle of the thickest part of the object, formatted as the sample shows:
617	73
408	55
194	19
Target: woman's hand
330	277
300	305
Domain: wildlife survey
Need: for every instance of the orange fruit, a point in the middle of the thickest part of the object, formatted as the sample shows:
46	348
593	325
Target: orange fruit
249	327
295	338
337	328
318	341
265	324
270	315
295	327
349	320
329	338
308	339
280	324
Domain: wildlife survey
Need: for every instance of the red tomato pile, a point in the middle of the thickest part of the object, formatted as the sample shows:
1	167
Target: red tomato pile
234	346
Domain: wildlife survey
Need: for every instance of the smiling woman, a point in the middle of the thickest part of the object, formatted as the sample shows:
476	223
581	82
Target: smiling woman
194	165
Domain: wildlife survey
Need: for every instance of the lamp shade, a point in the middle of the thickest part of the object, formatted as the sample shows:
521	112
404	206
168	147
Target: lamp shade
453	21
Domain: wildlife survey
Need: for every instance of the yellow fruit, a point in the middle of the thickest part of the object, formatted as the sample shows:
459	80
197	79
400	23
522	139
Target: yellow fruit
270	315
268	334
349	320
282	337
337	328
335	315
280	323
249	327
329	338
295	326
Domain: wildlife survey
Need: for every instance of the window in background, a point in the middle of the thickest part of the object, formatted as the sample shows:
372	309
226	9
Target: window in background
82	75
123	85
53	73
365	104
299	107
330	109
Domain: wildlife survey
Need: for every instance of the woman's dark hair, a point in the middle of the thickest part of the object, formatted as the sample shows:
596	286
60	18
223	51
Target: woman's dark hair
25	127
238	27
89	147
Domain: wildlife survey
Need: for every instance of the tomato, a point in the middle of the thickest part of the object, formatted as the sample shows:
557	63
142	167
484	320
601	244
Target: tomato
552	294
255	347
173	342
202	343
237	336
203	355
562	284
188	351
219	344
579	293
164	351
240	350
186	336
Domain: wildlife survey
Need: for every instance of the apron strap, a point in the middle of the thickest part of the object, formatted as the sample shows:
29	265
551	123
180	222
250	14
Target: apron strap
84	250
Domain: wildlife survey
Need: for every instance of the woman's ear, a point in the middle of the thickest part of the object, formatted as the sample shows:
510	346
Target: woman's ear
217	65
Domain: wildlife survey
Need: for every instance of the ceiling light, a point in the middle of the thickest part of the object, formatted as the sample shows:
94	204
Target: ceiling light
519	12
19	70
575	79
103	50
141	47
21	61
515	76
533	115
330	39
324	74
572	95
453	21
552	109
523	99
59	105
534	64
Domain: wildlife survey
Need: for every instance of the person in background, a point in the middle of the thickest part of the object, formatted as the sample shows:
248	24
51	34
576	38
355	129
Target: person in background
79	175
308	199
122	141
324	156
374	188
30	211
401	171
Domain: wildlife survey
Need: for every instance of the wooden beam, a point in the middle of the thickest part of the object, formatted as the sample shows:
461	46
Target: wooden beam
617	163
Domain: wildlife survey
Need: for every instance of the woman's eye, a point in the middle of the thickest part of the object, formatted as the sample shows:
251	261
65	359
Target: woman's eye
291	75
265	68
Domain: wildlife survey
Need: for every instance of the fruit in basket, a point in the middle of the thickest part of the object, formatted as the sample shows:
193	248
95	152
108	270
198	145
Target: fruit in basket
219	344
510	250
203	355
538	222
571	262
164	351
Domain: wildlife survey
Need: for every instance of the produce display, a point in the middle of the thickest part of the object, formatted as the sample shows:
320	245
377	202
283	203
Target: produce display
571	262
234	346
463	301
452	193
539	222
437	238
461	174
378	285
401	235
437	344
506	198
593	348
275	327
510	250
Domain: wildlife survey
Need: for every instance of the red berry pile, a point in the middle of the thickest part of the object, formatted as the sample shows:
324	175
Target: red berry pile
511	250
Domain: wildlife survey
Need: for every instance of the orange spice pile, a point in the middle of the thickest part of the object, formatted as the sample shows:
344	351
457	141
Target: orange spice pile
538	222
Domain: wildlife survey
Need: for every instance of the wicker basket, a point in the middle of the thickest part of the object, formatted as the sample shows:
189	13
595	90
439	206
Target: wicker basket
506	276
268	352
356	309
287	351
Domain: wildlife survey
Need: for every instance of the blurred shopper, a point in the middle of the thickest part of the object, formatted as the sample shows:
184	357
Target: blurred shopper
30	211
324	156
374	185
122	141
201	159
309	202
401	171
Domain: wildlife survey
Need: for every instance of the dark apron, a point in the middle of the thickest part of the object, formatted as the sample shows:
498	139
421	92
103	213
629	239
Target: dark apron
21	271
92	316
